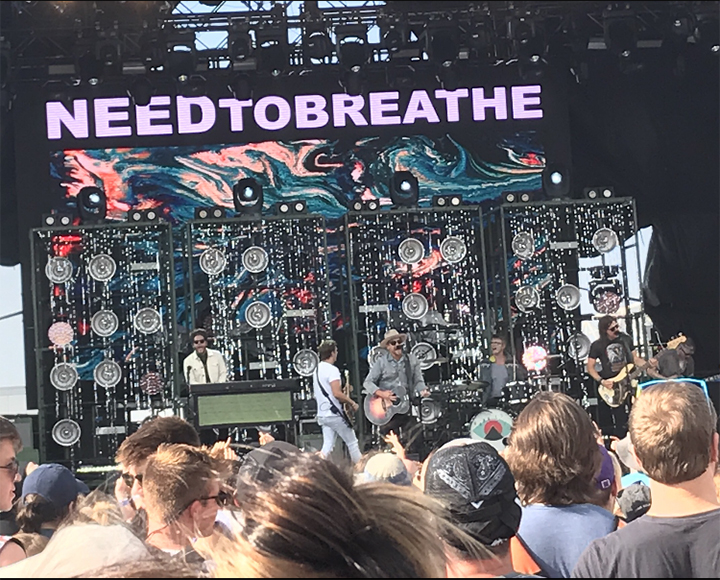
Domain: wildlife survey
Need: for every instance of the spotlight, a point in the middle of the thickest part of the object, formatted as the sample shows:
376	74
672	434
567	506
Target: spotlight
351	45
528	40
290	207
210	213
454	200
240	43
317	44
371	205
90	69
556	181
510	197
430	411
152	50
525	196
92	204
56	219
141	91
404	189
272	50
181	63
442	44
357	205
605	240
143	215
248	196
108	53
620	33
592	192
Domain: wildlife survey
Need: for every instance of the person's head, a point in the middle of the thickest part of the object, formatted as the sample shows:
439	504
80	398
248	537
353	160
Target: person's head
553	452
135	449
476	485
497	344
10	446
386	467
48	495
181	488
608	327
673	429
608	479
199	339
327	351
394	342
263	464
315	521
687	348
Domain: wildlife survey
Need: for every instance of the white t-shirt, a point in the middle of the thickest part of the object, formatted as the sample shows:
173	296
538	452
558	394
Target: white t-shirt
326	373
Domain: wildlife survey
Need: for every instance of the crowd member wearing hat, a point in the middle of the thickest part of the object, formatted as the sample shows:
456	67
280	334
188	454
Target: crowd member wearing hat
477	487
330	398
396	376
386	467
554	456
673	429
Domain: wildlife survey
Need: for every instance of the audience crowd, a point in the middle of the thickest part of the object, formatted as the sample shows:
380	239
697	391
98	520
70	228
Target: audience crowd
554	503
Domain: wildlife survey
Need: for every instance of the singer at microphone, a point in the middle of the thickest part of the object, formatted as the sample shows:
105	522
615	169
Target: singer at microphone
204	365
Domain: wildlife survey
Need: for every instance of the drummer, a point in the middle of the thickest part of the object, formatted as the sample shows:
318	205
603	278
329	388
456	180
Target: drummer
497	370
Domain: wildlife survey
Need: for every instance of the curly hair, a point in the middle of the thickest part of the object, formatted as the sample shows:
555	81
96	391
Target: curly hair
553	452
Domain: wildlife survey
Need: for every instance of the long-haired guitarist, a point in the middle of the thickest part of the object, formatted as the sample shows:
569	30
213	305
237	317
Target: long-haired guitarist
330	398
614	351
394	376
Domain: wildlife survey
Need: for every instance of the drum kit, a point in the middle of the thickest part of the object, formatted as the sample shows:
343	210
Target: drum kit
464	409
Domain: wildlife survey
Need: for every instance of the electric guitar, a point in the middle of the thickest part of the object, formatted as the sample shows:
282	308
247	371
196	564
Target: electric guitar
624	382
347	408
379	411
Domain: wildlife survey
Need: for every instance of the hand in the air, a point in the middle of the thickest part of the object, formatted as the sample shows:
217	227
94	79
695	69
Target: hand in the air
392	439
222	450
424	393
264	437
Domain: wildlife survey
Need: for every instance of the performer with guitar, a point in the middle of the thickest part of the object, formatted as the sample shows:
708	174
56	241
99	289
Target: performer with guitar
393	377
330	399
614	350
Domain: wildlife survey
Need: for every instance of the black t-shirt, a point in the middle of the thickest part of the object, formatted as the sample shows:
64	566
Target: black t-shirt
651	547
613	355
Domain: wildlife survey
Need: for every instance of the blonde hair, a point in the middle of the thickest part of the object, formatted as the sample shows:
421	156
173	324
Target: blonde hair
671	429
175	476
312	521
553	452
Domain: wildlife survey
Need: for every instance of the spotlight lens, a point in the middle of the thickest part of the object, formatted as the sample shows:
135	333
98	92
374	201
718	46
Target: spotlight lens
510	197
203	214
151	215
355	69
217	213
405	185
50	220
298	207
284	208
534	58
715	48
592	194
248	193
94	198
65	221
625	53
455	201
525	197
441	201
556	177
607	193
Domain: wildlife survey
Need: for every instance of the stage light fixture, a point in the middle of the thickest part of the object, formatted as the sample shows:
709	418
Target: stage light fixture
442	43
248	196
57	219
299	206
181	62
92	204
153	50
528	40
90	69
556	181
351	45
210	213
599	192
272	50
317	44
404	191
371	205
620	32
143	215
357	205
240	43
510	197
141	91
454	200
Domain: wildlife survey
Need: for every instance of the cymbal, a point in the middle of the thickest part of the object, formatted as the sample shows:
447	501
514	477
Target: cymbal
440	359
470	386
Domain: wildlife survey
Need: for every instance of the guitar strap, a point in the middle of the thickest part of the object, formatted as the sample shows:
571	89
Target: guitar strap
333	408
408	374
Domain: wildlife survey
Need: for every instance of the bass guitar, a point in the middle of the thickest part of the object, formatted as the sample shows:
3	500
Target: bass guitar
624	382
379	411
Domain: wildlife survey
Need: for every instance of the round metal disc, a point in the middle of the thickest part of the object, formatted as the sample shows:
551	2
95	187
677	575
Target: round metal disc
213	261
527	298
61	333
605	240
66	432
255	259
568	297
453	249
425	353
523	245
373	355
411	251
152	383
258	314
102	267
104	323
107	374
147	321
59	270
415	305
578	346
63	376
305	362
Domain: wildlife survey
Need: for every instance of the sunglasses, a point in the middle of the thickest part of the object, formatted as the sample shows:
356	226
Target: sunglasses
201	341
614	328
129	479
13	467
394	342
222	499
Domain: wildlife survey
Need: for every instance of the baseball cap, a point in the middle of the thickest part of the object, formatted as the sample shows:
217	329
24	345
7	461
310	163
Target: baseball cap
606	477
624	453
260	465
54	483
477	486
634	500
386	467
